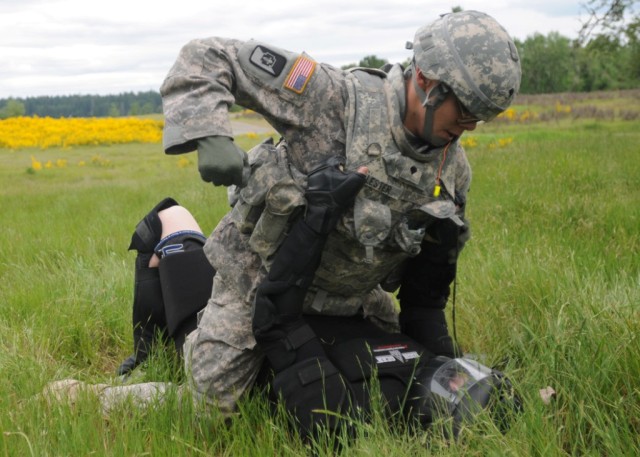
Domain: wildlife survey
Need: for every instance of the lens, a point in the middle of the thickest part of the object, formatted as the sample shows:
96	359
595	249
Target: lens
465	117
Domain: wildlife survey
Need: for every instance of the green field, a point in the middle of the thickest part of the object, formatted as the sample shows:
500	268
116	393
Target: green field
548	290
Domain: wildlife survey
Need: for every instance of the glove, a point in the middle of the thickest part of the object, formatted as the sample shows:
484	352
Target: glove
424	290
330	192
277	322
316	394
221	162
429	328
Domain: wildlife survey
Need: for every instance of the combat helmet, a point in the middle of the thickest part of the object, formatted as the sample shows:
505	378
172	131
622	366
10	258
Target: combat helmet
472	54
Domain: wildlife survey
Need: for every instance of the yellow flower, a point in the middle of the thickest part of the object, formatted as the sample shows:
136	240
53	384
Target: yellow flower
509	114
504	142
560	108
36	164
46	132
469	142
184	162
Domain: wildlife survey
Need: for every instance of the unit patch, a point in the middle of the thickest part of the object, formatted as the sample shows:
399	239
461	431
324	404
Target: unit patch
267	60
394	353
300	74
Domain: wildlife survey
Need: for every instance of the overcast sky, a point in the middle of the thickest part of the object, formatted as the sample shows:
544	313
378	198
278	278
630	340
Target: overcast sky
63	47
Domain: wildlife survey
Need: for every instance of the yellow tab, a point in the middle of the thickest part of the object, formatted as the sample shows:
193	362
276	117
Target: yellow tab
436	191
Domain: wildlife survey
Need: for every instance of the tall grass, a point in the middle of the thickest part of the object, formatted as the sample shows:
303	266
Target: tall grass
548	290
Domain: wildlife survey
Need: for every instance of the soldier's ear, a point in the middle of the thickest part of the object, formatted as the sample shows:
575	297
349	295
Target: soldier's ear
425	83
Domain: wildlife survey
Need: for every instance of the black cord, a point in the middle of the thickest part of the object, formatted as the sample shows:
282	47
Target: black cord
455	287
453	307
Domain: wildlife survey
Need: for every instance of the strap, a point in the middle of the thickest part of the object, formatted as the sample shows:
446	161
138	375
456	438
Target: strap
149	229
298	337
163	248
319	300
315	371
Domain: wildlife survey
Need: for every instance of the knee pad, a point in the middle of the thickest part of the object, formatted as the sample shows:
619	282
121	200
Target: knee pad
186	277
149	230
148	308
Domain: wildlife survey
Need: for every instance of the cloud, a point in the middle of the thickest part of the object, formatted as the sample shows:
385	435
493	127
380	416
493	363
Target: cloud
75	46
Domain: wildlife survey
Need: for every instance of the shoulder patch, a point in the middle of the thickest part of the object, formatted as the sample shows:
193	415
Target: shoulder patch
268	60
300	74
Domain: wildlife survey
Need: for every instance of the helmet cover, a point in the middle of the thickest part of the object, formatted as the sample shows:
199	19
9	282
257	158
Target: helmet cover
473	54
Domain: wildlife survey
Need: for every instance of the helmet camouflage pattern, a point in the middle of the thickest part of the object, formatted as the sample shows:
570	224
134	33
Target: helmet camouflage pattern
475	56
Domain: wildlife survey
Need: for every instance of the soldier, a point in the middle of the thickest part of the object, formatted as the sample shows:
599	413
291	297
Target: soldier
405	228
369	184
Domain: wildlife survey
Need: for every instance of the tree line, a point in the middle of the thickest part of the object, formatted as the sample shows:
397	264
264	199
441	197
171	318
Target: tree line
553	63
124	104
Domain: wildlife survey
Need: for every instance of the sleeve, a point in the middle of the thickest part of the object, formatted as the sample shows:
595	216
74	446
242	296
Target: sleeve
289	89
426	279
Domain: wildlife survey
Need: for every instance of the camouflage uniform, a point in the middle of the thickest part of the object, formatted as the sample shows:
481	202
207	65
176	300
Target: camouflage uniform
321	112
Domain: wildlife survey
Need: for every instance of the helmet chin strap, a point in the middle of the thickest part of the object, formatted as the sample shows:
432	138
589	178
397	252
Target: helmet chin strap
431	102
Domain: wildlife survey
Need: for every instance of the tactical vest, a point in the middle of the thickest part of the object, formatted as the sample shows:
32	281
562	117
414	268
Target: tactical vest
391	213
389	217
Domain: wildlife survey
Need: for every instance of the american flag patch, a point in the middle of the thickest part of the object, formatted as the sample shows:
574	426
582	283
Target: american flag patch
300	74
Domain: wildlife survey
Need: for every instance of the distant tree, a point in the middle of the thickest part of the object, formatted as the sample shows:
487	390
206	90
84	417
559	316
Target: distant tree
134	109
610	36
147	108
633	43
547	64
605	64
114	111
611	18
12	108
371	61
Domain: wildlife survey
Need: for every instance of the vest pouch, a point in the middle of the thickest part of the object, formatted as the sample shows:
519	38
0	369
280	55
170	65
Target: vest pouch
249	201
245	216
280	202
372	222
440	209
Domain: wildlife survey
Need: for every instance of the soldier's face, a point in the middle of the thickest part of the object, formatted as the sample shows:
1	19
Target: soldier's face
449	118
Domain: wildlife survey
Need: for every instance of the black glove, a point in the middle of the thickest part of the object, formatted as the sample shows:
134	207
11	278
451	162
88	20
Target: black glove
221	162
330	192
278	305
424	291
429	328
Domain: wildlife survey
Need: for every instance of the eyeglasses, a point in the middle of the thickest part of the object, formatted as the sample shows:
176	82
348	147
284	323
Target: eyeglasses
465	116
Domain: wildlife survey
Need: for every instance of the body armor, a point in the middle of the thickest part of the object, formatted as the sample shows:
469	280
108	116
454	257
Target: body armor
390	215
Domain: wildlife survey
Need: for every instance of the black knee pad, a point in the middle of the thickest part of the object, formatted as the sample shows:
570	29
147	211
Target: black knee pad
186	277
149	230
148	308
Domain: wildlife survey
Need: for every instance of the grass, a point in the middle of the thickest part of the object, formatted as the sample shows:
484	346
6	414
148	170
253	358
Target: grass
548	290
